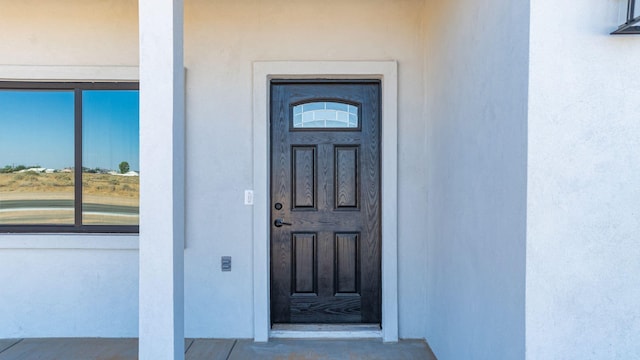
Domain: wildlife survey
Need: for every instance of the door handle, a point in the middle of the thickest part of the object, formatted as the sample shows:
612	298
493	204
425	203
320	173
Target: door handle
280	222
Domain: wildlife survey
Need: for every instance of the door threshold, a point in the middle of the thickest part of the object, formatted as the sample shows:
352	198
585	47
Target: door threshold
325	331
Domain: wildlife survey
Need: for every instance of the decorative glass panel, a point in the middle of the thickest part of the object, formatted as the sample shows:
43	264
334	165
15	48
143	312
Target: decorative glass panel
325	115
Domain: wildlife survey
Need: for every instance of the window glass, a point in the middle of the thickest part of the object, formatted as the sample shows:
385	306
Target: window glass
69	157
110	147
325	115
36	157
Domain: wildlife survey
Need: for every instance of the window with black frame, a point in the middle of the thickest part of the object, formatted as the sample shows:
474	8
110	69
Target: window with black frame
69	157
632	24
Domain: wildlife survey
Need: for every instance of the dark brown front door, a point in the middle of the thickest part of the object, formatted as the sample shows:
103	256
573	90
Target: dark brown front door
325	202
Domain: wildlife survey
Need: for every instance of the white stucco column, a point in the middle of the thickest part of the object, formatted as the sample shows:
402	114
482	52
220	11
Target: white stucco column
161	314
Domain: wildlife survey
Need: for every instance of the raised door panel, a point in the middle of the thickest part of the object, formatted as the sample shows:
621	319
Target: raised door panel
304	176
346	178
304	263
347	264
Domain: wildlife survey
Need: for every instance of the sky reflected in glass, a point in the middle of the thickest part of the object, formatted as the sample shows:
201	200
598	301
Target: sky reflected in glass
110	129
36	128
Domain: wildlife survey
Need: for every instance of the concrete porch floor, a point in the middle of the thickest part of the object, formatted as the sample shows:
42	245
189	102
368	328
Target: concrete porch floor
196	349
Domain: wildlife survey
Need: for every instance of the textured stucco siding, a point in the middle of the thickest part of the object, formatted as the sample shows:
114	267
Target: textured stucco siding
67	290
583	242
222	40
476	115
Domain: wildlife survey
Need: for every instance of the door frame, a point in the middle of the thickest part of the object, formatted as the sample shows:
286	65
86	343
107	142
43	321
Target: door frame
263	73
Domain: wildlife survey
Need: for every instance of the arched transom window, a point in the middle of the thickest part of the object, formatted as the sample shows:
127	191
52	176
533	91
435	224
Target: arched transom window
325	114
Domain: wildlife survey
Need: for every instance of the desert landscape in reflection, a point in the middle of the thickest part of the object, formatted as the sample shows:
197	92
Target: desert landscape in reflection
47	197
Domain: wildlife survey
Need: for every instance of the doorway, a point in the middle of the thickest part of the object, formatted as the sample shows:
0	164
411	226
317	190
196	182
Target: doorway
263	73
325	200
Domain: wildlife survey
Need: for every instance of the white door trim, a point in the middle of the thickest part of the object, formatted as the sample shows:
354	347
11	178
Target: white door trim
387	72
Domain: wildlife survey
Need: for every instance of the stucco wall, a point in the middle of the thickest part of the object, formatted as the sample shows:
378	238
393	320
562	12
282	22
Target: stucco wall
464	115
222	39
69	32
476	112
583	248
68	291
